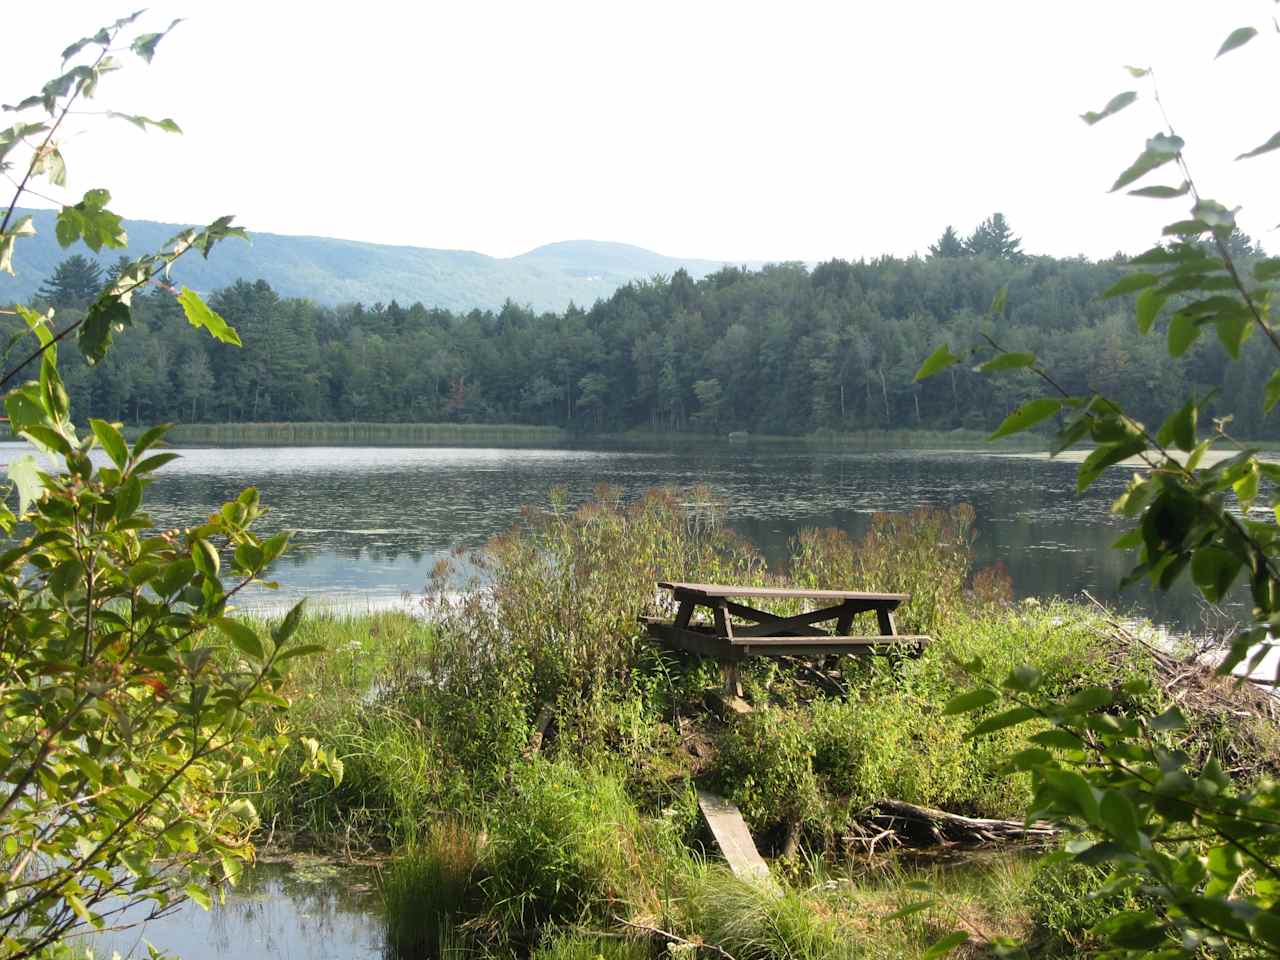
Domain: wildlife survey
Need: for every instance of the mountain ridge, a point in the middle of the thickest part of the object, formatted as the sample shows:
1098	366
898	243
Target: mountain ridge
331	270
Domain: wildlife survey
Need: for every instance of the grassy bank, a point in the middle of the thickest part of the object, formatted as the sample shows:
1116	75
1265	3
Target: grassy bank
525	434
366	433
530	760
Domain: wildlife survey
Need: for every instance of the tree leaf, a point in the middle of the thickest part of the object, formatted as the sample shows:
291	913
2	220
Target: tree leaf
1114	105
243	636
1007	361
289	624
1103	456
998	302
1160	149
1272	393
25	476
200	315
1272	143
111	441
1180	428
1236	38
1183	331
938	361
1024	679
1130	284
1000	721
969	701
940	948
1026	416
107	314
1162	192
1120	819
1147	306
1214	570
199	895
21	228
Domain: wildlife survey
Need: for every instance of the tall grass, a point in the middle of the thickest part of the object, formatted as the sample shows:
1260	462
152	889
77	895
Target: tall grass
567	844
927	553
426	886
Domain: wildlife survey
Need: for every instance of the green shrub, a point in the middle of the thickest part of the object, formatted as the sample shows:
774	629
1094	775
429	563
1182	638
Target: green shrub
1064	904
564	844
764	764
555	624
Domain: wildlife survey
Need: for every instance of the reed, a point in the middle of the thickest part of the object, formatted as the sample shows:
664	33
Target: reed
283	434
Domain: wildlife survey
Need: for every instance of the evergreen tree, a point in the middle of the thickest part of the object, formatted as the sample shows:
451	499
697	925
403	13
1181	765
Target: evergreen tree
994	238
948	245
75	283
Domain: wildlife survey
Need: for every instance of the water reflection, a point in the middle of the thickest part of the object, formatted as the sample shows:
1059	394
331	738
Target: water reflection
311	911
371	522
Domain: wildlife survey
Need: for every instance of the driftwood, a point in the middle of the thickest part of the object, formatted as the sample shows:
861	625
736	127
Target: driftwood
670	937
539	732
894	821
1249	710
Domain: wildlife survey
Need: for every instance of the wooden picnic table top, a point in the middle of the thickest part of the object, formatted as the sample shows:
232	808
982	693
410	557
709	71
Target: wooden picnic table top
716	590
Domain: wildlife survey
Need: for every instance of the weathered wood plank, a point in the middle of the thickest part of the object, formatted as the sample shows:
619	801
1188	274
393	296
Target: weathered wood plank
726	590
822	646
800	625
704	643
732	837
897	640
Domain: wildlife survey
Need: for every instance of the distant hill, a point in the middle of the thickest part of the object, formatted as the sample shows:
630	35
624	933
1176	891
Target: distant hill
331	271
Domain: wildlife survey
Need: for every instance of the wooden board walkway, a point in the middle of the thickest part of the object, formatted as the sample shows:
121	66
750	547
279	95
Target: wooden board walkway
733	837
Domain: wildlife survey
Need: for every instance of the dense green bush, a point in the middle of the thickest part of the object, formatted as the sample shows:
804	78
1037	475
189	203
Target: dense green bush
566	843
765	766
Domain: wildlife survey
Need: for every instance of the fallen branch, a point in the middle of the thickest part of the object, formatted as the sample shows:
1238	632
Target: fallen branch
914	824
674	937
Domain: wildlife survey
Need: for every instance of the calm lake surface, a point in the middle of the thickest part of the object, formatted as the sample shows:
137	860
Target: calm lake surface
371	522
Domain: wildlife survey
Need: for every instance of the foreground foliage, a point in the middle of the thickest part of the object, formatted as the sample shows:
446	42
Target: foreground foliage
1198	849
130	702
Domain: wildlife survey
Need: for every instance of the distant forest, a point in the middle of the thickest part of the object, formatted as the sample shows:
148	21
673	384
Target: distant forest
780	350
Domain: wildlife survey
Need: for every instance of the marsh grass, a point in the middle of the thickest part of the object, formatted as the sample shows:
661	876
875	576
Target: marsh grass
353	433
426	886
580	946
567	844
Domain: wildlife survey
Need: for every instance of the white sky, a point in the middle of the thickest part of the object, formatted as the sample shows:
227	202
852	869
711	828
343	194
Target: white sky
727	130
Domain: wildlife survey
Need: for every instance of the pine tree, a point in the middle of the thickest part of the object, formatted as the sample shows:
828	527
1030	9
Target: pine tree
994	238
948	245
75	283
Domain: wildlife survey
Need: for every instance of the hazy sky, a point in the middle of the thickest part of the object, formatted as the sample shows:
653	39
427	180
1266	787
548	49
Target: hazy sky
727	130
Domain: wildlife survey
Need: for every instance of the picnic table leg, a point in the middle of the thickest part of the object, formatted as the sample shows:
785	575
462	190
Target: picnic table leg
845	623
888	628
684	614
724	627
732	680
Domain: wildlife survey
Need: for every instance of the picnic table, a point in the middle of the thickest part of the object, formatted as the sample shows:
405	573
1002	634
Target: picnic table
765	634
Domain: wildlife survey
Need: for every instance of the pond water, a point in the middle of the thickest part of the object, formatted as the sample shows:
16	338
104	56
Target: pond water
372	521
296	910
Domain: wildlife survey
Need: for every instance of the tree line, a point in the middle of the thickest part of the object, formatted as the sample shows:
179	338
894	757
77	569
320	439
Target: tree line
782	350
